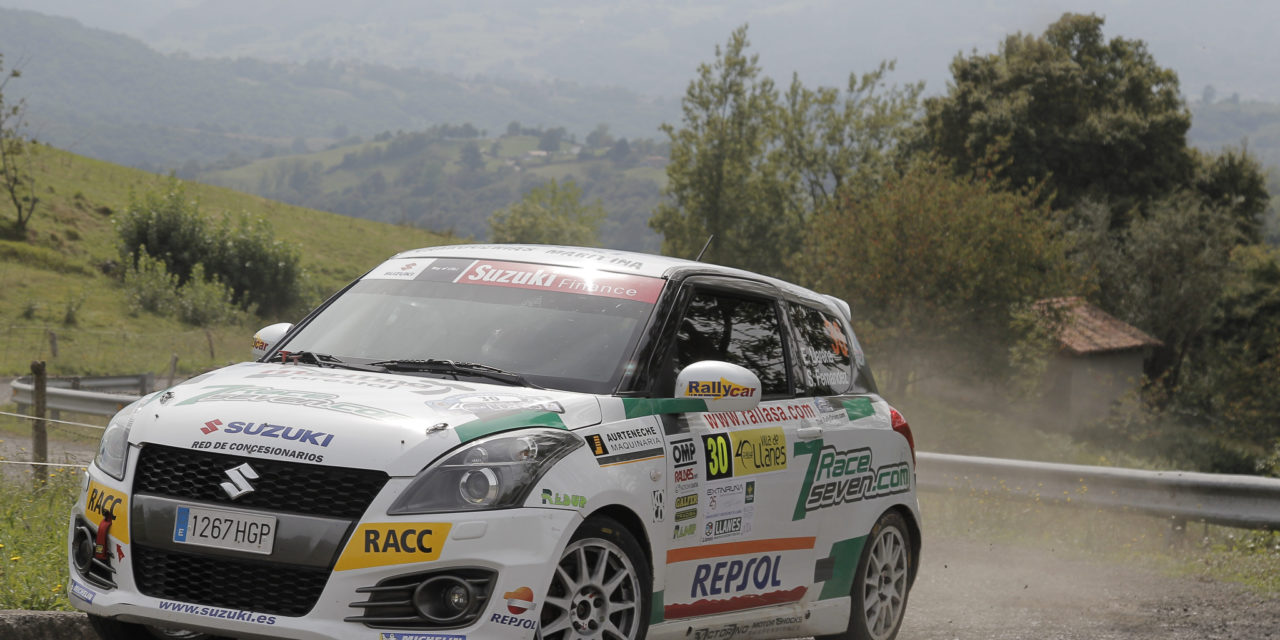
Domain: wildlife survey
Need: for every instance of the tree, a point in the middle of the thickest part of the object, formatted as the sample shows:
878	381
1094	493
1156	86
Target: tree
620	153
1089	118
830	138
936	267
599	138
16	152
551	138
1164	273
1234	183
751	167
722	180
470	158
551	213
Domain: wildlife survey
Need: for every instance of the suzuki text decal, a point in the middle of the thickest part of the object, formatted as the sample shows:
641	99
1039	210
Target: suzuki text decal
566	280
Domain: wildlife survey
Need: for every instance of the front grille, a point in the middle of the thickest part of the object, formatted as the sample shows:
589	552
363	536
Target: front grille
277	589
281	486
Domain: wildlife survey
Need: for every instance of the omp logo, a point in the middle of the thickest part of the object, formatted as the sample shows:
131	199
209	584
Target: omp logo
210	426
717	389
240	477
684	453
381	544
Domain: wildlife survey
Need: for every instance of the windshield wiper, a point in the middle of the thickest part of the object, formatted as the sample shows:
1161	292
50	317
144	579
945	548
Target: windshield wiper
319	359
454	368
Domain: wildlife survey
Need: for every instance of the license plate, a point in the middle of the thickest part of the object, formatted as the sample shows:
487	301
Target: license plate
223	529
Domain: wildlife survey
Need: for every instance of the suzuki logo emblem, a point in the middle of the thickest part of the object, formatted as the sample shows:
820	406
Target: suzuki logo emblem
240	477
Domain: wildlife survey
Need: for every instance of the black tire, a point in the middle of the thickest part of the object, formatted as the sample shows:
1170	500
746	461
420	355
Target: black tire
112	629
576	599
881	583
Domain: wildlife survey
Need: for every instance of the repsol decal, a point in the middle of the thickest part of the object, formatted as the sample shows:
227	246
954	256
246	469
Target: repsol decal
383	544
102	502
736	576
834	477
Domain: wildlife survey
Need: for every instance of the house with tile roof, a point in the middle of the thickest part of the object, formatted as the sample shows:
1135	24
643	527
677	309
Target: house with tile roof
1098	362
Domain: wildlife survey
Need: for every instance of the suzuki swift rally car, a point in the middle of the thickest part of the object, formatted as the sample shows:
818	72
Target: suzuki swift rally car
512	441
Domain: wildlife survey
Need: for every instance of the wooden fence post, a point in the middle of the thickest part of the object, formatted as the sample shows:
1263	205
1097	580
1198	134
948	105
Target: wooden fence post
39	435
173	370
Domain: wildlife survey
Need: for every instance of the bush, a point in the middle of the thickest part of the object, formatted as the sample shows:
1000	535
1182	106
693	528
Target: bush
149	285
169	226
259	271
203	301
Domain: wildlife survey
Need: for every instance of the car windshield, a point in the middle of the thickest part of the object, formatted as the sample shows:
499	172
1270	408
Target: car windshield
558	327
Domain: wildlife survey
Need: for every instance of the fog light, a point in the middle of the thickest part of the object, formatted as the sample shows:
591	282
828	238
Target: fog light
82	548
479	486
443	599
458	597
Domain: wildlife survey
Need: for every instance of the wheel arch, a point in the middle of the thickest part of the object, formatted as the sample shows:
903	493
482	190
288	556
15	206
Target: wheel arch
634	525
913	530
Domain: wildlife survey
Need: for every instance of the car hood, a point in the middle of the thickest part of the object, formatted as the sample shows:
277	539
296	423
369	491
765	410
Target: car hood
392	422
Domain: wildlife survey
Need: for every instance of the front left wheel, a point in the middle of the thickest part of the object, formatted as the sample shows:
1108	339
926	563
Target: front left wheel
112	629
601	587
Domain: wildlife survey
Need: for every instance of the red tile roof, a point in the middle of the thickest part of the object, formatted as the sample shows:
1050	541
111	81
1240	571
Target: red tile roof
1086	329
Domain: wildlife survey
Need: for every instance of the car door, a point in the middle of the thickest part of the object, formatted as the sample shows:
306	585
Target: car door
848	454
731	484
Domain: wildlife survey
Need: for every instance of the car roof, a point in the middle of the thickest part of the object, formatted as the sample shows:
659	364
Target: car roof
605	260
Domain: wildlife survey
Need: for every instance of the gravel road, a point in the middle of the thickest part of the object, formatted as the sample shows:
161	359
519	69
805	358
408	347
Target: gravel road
971	590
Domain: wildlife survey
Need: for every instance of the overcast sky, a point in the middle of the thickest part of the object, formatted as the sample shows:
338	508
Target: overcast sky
654	47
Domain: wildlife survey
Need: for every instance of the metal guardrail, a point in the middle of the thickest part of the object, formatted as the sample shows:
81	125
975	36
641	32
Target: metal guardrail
97	403
1231	500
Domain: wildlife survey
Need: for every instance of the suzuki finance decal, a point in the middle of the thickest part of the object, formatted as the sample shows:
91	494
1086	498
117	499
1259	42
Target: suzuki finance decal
834	477
383	544
564	279
297	397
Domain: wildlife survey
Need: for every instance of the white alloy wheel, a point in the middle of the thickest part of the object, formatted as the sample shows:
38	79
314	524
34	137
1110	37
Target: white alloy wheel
884	583
599	590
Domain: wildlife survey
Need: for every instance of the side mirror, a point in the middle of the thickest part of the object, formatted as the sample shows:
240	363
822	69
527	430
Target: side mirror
721	385
266	338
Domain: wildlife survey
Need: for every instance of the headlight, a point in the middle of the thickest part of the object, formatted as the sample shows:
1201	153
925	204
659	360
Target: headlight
113	450
497	472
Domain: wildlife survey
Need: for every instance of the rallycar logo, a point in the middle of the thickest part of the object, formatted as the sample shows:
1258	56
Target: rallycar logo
717	389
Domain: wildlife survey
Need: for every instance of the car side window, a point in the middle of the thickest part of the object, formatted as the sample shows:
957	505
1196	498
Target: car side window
741	331
826	351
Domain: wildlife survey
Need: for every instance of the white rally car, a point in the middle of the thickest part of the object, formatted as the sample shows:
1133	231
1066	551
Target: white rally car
514	441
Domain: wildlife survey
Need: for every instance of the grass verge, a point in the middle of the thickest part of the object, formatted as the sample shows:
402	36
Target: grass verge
1194	550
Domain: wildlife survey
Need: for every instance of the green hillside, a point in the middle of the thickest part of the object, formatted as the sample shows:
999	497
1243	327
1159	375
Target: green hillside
109	96
420	178
63	280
